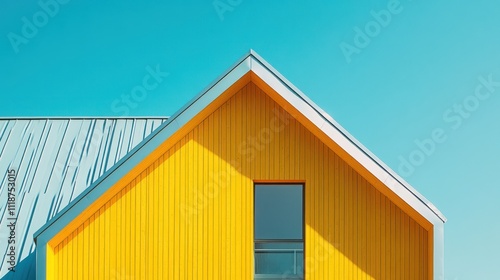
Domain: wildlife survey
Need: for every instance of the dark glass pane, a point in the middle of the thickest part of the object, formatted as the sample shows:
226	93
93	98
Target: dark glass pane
279	259
278	212
279	246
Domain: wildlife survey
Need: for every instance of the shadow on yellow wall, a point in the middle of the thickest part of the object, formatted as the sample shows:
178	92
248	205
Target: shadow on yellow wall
189	215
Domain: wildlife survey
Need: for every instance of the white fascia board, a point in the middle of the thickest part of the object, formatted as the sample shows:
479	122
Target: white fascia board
360	153
439	251
253	62
200	102
326	124
265	69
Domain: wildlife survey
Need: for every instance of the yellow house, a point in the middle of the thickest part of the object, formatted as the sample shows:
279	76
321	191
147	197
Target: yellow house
250	180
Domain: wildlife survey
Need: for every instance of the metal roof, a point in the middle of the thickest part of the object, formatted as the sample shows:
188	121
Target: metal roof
55	159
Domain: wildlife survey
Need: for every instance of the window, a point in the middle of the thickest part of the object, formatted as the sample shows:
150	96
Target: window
279	231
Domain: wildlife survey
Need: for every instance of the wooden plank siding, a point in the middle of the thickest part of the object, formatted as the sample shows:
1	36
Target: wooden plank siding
189	215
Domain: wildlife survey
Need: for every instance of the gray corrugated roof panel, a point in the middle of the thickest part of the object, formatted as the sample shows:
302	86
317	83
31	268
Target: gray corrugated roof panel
55	159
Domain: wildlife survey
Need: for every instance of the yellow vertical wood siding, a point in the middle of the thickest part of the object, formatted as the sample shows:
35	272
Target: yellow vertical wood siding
189	215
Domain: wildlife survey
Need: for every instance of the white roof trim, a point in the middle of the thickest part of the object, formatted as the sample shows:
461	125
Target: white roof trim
346	141
254	63
360	153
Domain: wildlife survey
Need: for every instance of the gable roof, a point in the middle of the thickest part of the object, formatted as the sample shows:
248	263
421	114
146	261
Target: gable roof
55	159
253	68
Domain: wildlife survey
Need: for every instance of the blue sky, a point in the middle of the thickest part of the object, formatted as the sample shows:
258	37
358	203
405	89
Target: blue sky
393	73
